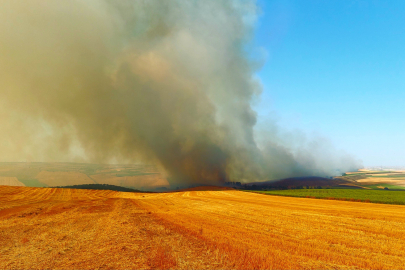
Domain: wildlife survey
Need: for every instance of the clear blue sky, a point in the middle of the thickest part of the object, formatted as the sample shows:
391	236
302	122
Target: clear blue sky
337	68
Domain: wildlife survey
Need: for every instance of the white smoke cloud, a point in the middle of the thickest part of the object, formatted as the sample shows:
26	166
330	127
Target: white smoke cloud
167	82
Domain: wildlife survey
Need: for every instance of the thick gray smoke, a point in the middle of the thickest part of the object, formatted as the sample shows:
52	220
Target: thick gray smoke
163	82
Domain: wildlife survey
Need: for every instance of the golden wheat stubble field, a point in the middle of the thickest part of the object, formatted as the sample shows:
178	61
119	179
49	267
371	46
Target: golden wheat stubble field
66	228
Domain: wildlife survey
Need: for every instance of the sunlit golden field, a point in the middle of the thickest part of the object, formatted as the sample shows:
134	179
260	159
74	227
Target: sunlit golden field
81	229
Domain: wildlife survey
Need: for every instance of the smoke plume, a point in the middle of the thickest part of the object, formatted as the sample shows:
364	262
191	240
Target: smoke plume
162	82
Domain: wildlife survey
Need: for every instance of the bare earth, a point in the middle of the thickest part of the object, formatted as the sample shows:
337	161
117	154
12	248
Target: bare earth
82	229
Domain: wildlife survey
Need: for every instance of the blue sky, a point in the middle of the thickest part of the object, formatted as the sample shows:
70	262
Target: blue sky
337	68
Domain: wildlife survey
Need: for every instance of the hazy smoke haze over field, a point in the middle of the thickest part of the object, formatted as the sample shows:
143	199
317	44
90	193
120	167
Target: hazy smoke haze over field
162	82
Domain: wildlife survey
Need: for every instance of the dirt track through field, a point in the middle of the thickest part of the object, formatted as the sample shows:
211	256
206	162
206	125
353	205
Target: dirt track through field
63	228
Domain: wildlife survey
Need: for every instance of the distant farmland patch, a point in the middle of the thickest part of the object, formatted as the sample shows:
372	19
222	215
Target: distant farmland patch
134	174
364	195
376	179
32	183
101	187
10	181
38	174
61	178
151	180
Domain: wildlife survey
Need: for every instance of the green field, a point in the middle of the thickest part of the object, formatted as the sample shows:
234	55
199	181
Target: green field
32	183
378	186
364	195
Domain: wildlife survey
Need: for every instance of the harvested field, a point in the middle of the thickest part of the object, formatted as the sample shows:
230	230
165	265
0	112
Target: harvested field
10	181
64	228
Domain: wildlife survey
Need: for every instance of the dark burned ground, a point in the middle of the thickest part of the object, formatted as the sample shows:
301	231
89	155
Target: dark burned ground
296	182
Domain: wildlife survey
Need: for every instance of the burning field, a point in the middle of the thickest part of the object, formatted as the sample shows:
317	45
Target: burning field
169	87
70	229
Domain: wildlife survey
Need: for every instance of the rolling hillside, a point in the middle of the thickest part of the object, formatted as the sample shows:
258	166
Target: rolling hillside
37	174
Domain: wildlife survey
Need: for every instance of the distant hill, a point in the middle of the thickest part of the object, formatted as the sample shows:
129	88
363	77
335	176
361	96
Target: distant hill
298	182
205	188
60	178
101	187
38	174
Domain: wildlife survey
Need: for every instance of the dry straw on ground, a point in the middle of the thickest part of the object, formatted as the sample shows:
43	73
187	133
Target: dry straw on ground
72	229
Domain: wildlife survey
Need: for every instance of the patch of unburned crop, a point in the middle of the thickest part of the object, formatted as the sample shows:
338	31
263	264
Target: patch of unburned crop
357	195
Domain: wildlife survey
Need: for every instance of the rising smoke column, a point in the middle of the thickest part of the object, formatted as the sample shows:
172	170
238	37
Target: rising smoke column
163	82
